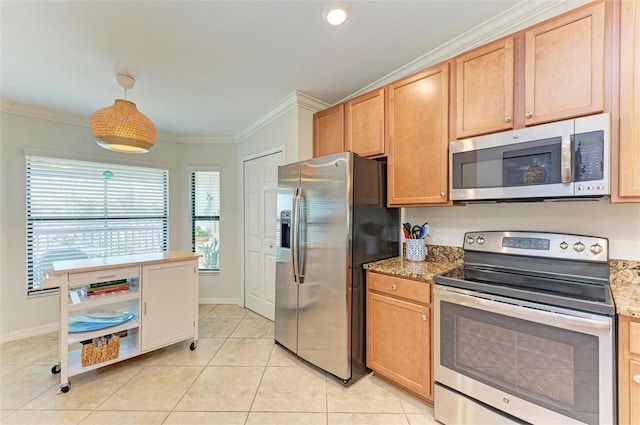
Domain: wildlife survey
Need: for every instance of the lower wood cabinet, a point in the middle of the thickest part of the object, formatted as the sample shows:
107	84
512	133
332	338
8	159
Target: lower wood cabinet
399	332
628	370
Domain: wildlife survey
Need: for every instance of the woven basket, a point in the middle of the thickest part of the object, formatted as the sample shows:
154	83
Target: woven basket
91	354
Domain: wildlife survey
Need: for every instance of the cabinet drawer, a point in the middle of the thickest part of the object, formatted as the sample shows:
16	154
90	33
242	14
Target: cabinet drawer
77	279
399	287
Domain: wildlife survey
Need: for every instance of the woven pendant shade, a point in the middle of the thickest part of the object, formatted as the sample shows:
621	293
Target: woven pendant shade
121	127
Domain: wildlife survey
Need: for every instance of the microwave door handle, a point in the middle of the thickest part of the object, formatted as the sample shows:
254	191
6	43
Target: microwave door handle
566	174
294	234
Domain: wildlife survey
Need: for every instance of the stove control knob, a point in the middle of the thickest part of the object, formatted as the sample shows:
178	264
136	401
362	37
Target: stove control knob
596	248
470	240
481	240
564	245
578	246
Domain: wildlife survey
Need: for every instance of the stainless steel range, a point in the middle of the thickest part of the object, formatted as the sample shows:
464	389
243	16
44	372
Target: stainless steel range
525	332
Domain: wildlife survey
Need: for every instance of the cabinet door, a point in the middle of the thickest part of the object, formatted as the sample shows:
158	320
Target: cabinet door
564	67
628	172
634	392
169	298
484	89
328	131
365	124
417	131
399	342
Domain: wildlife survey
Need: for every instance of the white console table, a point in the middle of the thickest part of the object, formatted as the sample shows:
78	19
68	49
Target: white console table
160	303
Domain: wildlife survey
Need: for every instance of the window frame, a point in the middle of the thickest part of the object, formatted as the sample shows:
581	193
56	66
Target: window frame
193	218
33	252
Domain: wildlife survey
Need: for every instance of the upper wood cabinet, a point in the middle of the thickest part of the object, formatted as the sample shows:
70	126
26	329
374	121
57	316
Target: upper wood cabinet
626	164
564	66
484	89
328	131
365	124
418	138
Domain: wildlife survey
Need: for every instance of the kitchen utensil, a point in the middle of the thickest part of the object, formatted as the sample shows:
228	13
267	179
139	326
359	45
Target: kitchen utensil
424	231
415	232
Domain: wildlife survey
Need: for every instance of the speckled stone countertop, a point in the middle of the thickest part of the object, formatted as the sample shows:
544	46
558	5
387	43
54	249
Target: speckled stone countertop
439	259
624	279
400	266
624	275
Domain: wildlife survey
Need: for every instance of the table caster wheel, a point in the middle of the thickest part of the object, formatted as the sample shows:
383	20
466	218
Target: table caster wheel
65	388
193	346
55	368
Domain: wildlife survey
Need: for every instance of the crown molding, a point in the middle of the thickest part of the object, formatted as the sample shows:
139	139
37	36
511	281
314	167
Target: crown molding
205	139
294	100
26	110
520	16
42	113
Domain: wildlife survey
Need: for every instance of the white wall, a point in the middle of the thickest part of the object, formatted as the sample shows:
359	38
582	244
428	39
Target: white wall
23	315
618	222
216	287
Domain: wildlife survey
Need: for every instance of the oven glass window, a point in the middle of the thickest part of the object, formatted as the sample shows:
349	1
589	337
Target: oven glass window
551	367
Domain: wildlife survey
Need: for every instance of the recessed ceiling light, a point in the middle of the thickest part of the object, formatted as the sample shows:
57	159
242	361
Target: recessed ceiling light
336	14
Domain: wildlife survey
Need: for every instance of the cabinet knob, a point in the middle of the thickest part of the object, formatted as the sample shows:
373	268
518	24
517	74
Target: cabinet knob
442	194
424	317
636	379
394	287
529	115
507	118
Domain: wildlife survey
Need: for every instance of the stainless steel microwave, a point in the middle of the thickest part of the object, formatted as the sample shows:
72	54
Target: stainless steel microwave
563	159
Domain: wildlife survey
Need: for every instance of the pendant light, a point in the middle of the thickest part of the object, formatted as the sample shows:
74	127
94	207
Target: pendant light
121	127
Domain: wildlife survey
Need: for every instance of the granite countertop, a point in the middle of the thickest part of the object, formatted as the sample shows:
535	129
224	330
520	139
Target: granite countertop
401	267
624	275
624	279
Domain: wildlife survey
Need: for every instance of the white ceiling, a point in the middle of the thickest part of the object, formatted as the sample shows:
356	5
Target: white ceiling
210	68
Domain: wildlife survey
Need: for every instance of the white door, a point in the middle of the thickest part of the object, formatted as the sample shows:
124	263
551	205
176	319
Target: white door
260	190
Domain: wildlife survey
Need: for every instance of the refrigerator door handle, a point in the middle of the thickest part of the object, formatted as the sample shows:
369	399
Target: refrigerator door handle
302	223
295	214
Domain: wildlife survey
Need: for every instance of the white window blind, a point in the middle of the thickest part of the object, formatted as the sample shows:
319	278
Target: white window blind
79	209
205	217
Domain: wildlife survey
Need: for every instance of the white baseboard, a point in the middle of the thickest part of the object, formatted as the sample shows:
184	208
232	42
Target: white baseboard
28	333
235	301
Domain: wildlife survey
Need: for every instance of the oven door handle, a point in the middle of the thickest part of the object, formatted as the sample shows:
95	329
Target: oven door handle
545	317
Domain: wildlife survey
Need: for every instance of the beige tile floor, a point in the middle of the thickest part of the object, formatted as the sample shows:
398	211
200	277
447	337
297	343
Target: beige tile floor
237	375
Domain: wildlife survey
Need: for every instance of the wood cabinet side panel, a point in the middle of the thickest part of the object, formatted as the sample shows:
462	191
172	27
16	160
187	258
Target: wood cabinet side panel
628	159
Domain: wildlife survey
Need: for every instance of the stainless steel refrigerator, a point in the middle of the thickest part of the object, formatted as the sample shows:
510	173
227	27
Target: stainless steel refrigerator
332	218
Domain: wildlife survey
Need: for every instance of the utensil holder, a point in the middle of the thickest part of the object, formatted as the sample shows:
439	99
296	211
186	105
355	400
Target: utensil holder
416	250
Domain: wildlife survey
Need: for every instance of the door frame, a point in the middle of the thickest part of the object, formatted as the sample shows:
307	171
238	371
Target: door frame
243	159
